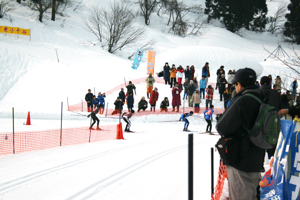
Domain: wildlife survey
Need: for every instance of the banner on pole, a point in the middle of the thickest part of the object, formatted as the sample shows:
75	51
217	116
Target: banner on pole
14	30
137	58
151	62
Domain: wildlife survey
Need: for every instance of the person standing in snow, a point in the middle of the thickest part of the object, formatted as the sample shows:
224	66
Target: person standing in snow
126	117
208	116
195	83
230	77
192	69
205	71
130	102
173	76
89	100
101	101
196	100
95	102
164	105
278	84
190	92
94	118
184	117
130	87
149	84
167	73
202	87
122	95
179	75
185	88
143	104
153	99
209	96
176	102
222	85
187	73
294	87
220	71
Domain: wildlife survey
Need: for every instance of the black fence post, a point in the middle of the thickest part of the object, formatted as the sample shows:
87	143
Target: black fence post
13	127
61	118
190	167
212	170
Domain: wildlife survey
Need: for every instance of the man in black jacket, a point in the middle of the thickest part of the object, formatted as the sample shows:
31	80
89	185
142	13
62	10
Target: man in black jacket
243	174
89	100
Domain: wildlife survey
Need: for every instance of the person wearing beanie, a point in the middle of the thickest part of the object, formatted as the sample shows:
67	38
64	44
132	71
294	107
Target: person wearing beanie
167	73
184	117
244	167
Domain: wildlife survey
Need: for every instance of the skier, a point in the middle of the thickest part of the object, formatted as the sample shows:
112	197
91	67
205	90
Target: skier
184	117
95	118
126	117
208	116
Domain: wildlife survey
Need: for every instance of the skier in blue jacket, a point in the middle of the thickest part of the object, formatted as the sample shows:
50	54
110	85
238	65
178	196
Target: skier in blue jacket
184	117
208	116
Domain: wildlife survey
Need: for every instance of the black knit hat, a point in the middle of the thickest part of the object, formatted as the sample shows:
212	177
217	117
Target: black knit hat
245	77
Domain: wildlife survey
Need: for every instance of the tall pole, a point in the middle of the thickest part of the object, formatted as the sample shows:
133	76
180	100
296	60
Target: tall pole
190	167
13	127
212	170
61	118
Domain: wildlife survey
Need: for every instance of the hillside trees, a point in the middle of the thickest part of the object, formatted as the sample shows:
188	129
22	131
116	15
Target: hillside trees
114	26
277	21
292	26
5	6
147	7
237	14
41	6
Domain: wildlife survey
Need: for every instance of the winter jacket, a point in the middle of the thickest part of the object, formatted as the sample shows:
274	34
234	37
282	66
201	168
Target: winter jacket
101	100
187	74
164	104
166	72
89	97
230	78
195	84
205	71
173	73
153	97
130	101
185	86
95	101
196	97
209	93
277	84
273	97
218	71
176	101
180	72
243	111
130	89
294	86
142	104
122	96
191	89
202	83
192	69
118	104
222	84
208	114
150	81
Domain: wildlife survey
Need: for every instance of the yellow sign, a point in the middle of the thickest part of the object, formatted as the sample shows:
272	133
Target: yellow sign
14	30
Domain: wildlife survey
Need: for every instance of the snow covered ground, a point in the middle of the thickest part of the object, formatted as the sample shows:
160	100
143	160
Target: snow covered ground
150	163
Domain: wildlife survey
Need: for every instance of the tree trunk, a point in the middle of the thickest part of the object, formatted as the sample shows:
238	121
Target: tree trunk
19	1
53	10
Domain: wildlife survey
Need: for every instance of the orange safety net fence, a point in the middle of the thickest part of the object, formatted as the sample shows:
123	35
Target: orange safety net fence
222	174
37	140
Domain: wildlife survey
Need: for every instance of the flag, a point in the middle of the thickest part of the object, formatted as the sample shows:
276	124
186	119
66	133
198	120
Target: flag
137	58
151	62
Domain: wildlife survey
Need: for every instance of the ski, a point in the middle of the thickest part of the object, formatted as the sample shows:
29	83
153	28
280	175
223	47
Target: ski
212	133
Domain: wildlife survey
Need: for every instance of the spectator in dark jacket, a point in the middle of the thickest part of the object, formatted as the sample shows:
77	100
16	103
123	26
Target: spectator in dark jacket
143	104
187	73
244	174
190	92
222	84
89	100
122	95
164	105
118	106
167	73
130	87
192	69
130	102
220	71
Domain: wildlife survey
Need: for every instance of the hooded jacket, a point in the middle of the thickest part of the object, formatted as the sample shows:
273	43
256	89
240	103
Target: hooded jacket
243	111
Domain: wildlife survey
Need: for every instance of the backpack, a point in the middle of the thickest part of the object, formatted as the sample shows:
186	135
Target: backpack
266	129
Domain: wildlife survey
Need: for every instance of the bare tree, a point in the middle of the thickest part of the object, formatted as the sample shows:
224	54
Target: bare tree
276	22
41	6
197	24
145	47
114	27
5	6
19	1
147	7
53	10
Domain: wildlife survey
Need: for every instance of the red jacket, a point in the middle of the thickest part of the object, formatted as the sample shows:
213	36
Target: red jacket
176	96
153	97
